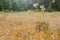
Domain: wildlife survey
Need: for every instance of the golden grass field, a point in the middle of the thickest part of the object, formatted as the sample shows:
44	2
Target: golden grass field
22	26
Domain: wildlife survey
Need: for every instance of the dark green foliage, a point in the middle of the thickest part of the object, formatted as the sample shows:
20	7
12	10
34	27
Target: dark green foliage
21	5
49	8
56	5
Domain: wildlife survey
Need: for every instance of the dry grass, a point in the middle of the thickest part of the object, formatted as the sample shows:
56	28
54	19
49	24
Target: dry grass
22	26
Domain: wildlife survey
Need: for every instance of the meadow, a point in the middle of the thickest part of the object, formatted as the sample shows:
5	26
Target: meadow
23	25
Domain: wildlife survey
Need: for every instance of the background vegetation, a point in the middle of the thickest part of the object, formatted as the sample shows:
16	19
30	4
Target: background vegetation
23	5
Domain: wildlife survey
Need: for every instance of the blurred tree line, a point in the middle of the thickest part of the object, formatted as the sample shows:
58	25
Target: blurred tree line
56	5
21	5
